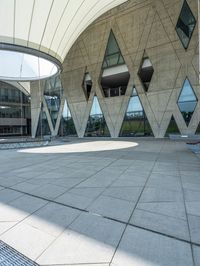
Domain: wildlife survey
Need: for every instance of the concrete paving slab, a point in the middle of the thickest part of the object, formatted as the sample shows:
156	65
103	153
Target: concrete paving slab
193	208
27	239
90	239
49	191
155	194
7	195
124	193
113	208
196	252
115	179
140	247
194	225
160	223
172	209
46	220
77	201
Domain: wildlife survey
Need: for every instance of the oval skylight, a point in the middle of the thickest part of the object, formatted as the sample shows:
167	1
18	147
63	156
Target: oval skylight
21	66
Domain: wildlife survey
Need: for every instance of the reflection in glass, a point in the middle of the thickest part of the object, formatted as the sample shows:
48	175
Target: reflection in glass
43	126
113	56
52	94
114	81
187	101
135	121
146	72
67	127
172	127
96	125
185	25
15	112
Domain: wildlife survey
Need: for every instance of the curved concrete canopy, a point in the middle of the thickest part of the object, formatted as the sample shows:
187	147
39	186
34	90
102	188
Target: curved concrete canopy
48	26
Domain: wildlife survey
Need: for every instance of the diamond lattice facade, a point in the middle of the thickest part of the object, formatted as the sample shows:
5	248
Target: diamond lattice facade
151	46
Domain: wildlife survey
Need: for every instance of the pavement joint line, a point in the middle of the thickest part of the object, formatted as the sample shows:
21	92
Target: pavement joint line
150	172
96	214
58	235
168	216
87	179
110	183
188	226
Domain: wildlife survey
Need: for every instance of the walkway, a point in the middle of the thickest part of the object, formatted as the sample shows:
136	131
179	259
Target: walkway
120	203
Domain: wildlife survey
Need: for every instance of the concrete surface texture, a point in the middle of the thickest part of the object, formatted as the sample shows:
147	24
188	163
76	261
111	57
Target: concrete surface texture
139	27
121	203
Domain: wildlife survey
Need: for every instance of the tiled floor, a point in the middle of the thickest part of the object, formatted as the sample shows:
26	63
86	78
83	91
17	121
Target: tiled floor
97	202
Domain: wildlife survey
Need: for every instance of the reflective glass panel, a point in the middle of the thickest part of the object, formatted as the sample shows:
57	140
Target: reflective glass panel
185	25
96	125
187	101
43	126
172	128
67	127
113	56
52	94
135	121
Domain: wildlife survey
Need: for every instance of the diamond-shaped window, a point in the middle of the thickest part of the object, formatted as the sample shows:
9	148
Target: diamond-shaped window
135	121
87	85
185	25
96	125
113	55
187	101
146	72
115	74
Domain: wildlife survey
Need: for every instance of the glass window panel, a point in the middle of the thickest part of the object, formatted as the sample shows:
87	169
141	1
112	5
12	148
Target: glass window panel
112	46
113	55
96	125
43	126
53	94
135	121
146	72
67	127
187	101
172	128
185	25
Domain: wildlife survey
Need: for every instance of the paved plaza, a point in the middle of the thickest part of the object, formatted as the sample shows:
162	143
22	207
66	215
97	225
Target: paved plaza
127	202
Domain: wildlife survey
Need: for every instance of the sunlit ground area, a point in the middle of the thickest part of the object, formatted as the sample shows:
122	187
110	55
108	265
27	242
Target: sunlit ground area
110	203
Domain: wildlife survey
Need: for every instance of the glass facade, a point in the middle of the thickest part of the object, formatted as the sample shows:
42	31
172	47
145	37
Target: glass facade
114	84
146	72
185	25
43	126
135	121
52	94
187	101
67	127
96	125
87	85
113	56
15	112
172	128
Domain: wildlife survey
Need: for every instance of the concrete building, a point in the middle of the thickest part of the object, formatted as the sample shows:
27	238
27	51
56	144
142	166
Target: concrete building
141	61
